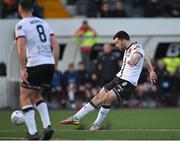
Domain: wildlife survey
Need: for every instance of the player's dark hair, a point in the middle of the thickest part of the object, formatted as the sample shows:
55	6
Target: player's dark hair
71	65
122	35
81	63
26	5
85	22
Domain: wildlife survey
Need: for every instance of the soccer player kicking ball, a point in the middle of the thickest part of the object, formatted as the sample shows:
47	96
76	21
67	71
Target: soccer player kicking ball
123	84
35	42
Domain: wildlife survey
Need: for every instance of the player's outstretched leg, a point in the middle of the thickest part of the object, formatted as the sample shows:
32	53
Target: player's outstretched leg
74	120
91	106
108	99
41	107
29	114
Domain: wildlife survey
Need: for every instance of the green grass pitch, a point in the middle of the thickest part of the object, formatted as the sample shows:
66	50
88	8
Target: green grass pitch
122	124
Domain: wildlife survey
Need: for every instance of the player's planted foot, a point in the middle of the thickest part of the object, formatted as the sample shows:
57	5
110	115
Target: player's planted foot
33	137
48	132
94	127
71	120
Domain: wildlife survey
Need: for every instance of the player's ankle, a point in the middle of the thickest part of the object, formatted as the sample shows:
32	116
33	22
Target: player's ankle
96	124
75	118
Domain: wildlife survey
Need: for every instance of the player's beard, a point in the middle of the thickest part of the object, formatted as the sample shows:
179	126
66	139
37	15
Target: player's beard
122	48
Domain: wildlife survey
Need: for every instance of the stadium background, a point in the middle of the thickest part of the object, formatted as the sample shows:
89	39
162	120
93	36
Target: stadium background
152	23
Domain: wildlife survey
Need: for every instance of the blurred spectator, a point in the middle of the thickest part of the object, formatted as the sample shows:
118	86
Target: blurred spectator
2	69
94	84
107	65
71	81
71	2
137	8
93	8
57	88
38	10
83	80
171	63
86	36
119	10
176	81
145	92
164	85
172	8
9	9
153	8
81	6
1	2
105	11
132	8
85	27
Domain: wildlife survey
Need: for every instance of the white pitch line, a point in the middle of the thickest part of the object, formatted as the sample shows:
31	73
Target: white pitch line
15	138
113	130
127	130
11	138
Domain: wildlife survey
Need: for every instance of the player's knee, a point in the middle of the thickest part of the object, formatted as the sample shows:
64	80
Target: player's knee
25	99
97	100
24	95
36	96
105	99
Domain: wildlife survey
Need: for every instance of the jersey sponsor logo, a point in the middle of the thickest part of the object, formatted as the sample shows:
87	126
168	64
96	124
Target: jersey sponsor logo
124	83
120	88
44	50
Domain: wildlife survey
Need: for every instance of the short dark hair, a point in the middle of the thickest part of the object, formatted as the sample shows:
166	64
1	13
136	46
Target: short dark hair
71	65
122	35
81	63
85	22
26	5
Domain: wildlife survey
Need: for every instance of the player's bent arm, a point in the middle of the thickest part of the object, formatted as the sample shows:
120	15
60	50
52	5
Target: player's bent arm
21	52
56	49
135	59
148	65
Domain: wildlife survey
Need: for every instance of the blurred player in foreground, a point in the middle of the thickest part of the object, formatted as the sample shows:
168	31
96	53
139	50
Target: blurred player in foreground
123	84
38	52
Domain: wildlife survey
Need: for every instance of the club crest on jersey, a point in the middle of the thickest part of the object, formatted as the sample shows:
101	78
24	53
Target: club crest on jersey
19	27
137	47
129	51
